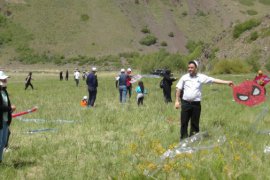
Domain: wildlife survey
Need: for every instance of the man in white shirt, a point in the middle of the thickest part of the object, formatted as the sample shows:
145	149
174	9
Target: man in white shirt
189	88
77	77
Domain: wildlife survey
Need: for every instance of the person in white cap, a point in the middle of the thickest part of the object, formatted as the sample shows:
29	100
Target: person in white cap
189	90
92	84
129	85
122	84
6	110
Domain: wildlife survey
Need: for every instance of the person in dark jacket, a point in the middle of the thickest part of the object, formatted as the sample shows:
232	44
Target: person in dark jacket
28	81
167	83
67	75
61	75
5	113
122	84
92	83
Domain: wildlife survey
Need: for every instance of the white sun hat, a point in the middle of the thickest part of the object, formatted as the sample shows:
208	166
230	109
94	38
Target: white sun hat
3	75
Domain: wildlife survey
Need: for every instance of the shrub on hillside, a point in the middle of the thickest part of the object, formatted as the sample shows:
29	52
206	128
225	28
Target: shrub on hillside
247	2
265	32
84	17
171	34
231	67
253	36
253	61
3	20
192	45
265	2
267	65
163	43
247	25
252	12
145	30
184	13
148	40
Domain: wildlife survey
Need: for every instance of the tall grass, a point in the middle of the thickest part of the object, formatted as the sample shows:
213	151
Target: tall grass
120	141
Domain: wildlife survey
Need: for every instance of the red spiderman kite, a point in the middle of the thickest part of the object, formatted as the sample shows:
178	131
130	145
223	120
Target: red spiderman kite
249	93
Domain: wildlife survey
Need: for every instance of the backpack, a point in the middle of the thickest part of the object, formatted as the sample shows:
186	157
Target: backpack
161	84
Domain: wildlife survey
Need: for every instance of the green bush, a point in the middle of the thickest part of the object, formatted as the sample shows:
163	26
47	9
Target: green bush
265	2
231	67
145	30
253	36
200	13
253	61
267	65
252	12
148	40
247	2
247	25
3	20
192	45
184	13
163	43
171	34
84	17
265	32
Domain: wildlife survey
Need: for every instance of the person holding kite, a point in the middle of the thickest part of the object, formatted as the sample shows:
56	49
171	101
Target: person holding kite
261	79
5	113
191	84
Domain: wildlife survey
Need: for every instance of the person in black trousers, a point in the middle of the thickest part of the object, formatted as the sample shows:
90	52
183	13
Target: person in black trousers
92	83
167	83
190	104
28	81
67	75
61	75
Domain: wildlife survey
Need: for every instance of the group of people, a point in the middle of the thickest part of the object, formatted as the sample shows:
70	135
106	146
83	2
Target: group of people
124	84
188	96
61	75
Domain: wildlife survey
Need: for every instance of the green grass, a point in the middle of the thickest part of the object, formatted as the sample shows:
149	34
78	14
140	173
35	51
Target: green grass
120	141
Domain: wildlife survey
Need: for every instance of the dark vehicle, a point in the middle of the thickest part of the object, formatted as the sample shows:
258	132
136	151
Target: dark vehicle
159	72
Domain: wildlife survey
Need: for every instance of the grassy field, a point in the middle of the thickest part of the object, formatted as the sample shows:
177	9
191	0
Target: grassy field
121	141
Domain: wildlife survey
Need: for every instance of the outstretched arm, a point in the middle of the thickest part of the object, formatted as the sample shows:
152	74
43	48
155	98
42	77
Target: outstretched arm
219	81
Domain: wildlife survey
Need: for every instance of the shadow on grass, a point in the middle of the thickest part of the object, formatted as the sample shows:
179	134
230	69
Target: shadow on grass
20	163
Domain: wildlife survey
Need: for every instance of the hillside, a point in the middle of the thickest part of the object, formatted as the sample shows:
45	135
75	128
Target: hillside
70	28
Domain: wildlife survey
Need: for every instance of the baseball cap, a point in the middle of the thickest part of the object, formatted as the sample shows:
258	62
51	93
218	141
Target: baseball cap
84	97
94	69
122	70
129	69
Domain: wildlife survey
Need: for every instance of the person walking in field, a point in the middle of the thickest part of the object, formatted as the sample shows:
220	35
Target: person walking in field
191	84
167	84
28	80
129	84
77	77
92	84
140	93
6	110
122	84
